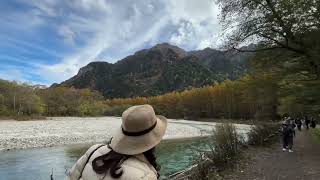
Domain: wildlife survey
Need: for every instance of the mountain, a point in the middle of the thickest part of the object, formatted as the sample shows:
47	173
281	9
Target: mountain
226	64
158	70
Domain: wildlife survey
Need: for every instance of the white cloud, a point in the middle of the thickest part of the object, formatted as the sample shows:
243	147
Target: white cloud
20	60
128	29
90	5
28	46
197	23
44	7
67	34
14	73
105	30
194	11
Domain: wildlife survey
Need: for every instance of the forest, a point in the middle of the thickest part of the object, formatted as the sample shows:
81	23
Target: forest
263	94
283	76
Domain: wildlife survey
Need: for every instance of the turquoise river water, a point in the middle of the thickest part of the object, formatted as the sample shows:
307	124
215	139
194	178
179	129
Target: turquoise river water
38	163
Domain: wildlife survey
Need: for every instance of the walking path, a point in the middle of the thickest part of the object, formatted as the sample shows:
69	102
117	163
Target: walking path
273	164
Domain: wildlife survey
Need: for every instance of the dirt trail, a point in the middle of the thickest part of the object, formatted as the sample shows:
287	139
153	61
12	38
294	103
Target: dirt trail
273	164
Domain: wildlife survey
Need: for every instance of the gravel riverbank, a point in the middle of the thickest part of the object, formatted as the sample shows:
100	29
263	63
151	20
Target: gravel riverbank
74	130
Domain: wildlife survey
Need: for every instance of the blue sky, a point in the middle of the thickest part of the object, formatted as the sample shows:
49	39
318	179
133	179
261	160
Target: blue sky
47	41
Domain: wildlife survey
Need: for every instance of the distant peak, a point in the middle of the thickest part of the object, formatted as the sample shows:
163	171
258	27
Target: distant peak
208	49
164	47
97	63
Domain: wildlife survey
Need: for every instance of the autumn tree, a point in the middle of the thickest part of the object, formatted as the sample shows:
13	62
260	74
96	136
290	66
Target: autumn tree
63	101
19	99
289	25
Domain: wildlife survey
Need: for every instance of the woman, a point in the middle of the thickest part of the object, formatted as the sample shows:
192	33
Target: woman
130	153
288	133
313	123
299	123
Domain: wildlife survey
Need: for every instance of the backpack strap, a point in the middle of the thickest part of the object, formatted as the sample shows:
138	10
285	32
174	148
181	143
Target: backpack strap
91	153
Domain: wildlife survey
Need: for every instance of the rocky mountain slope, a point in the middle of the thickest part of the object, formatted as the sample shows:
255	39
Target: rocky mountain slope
160	69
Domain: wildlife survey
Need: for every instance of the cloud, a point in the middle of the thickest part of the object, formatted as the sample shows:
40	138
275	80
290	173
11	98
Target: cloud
197	23
28	46
108	30
20	60
129	28
20	74
44	7
12	74
67	34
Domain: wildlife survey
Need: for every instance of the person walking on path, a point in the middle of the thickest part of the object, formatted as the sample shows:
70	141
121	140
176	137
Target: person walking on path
269	164
298	123
307	122
287	132
313	123
130	153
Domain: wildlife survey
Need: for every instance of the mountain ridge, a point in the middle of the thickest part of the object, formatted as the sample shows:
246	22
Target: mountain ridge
160	69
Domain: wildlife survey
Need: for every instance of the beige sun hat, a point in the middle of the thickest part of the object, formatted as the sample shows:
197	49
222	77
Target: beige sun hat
140	131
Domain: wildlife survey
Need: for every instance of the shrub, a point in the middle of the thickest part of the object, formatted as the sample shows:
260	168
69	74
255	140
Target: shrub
4	110
116	110
203	170
263	134
224	147
94	108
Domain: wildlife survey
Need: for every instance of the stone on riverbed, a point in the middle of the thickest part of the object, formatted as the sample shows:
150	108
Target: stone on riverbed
74	130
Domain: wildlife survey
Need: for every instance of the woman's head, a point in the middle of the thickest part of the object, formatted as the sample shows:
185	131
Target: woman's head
140	132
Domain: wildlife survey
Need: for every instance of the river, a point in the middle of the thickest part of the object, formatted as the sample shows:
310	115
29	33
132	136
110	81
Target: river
35	160
38	163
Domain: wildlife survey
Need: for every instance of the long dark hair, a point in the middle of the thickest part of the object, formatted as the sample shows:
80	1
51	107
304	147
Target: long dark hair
112	162
151	157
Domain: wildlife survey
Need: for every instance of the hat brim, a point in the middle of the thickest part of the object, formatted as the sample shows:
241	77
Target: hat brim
131	145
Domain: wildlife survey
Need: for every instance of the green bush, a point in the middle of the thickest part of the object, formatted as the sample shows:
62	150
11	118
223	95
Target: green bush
204	169
224	148
116	110
225	145
263	134
4	111
94	108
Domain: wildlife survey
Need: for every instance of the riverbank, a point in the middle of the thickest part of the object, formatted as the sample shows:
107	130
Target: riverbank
56	131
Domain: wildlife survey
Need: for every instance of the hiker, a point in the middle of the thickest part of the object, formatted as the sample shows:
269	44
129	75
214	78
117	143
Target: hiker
287	131
298	123
130	153
293	126
307	122
313	123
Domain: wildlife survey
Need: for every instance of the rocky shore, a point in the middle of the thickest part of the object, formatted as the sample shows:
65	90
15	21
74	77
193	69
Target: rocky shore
74	130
